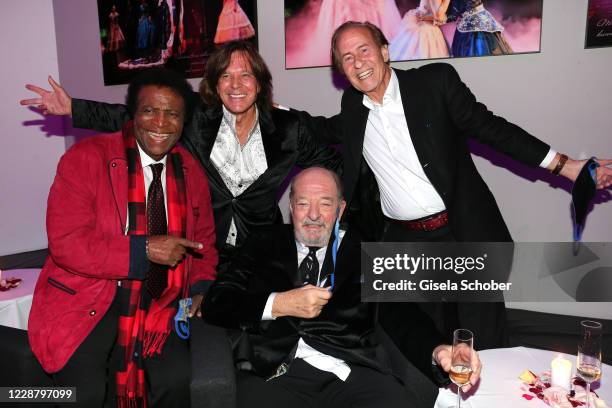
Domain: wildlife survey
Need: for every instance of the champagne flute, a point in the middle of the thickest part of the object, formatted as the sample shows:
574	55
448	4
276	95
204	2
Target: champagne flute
588	365
461	360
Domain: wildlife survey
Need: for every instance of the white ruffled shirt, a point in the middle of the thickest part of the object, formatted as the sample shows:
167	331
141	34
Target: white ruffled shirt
238	166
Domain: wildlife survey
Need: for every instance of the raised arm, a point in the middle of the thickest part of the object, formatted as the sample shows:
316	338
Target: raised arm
325	130
54	102
474	119
100	116
103	117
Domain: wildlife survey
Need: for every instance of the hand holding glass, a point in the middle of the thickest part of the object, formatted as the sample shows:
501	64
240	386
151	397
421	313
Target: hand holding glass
461	360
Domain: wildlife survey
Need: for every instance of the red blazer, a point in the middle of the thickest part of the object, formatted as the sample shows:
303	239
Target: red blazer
86	216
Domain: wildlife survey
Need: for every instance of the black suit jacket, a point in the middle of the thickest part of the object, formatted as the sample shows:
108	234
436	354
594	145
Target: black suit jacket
345	328
287	140
441	114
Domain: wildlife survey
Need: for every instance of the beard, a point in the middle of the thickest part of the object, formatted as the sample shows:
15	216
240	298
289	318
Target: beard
318	238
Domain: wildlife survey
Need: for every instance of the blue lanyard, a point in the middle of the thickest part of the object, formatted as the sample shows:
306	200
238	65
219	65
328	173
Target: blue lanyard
335	252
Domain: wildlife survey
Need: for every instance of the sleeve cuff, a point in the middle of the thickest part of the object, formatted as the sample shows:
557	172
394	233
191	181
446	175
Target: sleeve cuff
76	106
267	312
200	287
548	158
139	264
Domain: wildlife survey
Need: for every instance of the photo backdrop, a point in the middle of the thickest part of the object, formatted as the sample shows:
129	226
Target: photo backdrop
178	34
415	29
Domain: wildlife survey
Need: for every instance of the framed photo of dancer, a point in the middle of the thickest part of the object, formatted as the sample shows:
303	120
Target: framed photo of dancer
415	29
178	34
599	24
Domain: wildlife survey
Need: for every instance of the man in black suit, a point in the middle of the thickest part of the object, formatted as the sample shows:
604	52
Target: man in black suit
305	328
408	174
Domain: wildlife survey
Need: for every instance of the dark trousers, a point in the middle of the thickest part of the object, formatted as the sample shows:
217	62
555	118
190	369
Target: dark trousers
91	369
486	320
305	386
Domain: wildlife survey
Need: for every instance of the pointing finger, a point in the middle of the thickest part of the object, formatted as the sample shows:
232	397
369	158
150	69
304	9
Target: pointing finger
190	244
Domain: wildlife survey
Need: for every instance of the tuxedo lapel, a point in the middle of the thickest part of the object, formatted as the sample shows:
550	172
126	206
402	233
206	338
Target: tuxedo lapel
418	121
286	253
273	143
209	131
356	126
272	140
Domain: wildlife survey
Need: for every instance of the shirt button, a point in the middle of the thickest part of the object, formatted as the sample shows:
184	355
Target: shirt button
233	200
240	185
92	312
114	165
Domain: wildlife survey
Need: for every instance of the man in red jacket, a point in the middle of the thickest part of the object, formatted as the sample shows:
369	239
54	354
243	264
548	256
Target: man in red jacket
131	232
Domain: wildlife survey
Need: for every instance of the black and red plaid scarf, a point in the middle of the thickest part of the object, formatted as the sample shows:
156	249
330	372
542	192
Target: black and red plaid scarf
144	323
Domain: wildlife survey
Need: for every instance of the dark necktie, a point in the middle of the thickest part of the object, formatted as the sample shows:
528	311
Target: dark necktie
157	278
309	268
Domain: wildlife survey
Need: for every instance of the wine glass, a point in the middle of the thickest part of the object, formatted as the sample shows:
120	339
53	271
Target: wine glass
588	365
461	360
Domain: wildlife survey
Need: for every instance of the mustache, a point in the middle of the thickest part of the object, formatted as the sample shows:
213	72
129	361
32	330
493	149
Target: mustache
307	223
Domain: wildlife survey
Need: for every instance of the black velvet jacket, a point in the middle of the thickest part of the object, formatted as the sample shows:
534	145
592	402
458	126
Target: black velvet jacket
345	329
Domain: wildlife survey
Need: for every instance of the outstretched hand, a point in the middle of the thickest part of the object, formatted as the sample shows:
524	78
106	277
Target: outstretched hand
54	102
604	173
572	169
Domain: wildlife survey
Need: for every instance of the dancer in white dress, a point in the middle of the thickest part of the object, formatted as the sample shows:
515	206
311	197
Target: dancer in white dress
233	23
420	36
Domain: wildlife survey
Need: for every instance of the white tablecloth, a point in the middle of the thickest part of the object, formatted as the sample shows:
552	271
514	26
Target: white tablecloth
15	303
500	387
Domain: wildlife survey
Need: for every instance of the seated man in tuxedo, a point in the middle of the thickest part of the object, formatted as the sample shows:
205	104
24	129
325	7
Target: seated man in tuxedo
307	335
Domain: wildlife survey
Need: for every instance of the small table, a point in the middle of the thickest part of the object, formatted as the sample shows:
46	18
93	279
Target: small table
500	386
15	303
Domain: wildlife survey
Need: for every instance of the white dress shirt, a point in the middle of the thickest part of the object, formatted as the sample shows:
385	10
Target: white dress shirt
307	353
146	161
238	166
405	190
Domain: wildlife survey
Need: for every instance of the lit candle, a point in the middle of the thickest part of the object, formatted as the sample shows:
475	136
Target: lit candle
561	372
